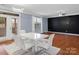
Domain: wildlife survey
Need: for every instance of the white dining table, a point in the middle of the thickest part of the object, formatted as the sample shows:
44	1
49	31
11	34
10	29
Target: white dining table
34	41
35	37
38	40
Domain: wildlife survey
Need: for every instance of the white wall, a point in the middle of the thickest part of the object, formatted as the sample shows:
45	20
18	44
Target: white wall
45	24
26	22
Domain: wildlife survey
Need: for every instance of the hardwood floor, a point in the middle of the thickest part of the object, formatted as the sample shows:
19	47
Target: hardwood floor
6	42
69	44
2	50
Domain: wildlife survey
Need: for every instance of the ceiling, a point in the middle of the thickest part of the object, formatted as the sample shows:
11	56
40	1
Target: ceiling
44	10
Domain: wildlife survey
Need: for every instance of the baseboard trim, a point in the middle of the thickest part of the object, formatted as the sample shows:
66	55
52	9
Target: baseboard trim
64	33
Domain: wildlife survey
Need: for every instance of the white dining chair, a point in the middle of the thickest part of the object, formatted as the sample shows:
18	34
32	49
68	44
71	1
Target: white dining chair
44	48
47	48
23	42
22	31
51	39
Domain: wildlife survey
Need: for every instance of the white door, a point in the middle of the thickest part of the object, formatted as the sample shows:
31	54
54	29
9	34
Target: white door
14	26
11	26
37	24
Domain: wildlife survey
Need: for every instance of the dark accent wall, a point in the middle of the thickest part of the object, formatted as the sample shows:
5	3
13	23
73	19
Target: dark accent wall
66	24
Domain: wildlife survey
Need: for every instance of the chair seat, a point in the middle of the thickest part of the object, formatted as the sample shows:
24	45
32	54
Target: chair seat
53	50
13	49
10	49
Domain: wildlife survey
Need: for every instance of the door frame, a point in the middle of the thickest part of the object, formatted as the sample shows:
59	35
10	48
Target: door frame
9	26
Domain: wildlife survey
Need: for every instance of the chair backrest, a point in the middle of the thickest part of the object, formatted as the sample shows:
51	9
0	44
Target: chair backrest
22	31
24	43
51	38
19	42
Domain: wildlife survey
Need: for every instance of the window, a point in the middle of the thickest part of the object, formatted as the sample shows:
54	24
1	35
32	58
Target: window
14	26
2	26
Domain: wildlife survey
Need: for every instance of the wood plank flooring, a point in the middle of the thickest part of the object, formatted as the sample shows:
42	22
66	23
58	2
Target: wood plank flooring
6	42
69	44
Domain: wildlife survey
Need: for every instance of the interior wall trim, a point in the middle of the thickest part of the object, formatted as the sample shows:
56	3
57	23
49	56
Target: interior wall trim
65	33
9	13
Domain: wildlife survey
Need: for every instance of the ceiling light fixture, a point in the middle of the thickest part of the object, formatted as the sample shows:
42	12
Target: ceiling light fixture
18	9
61	12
